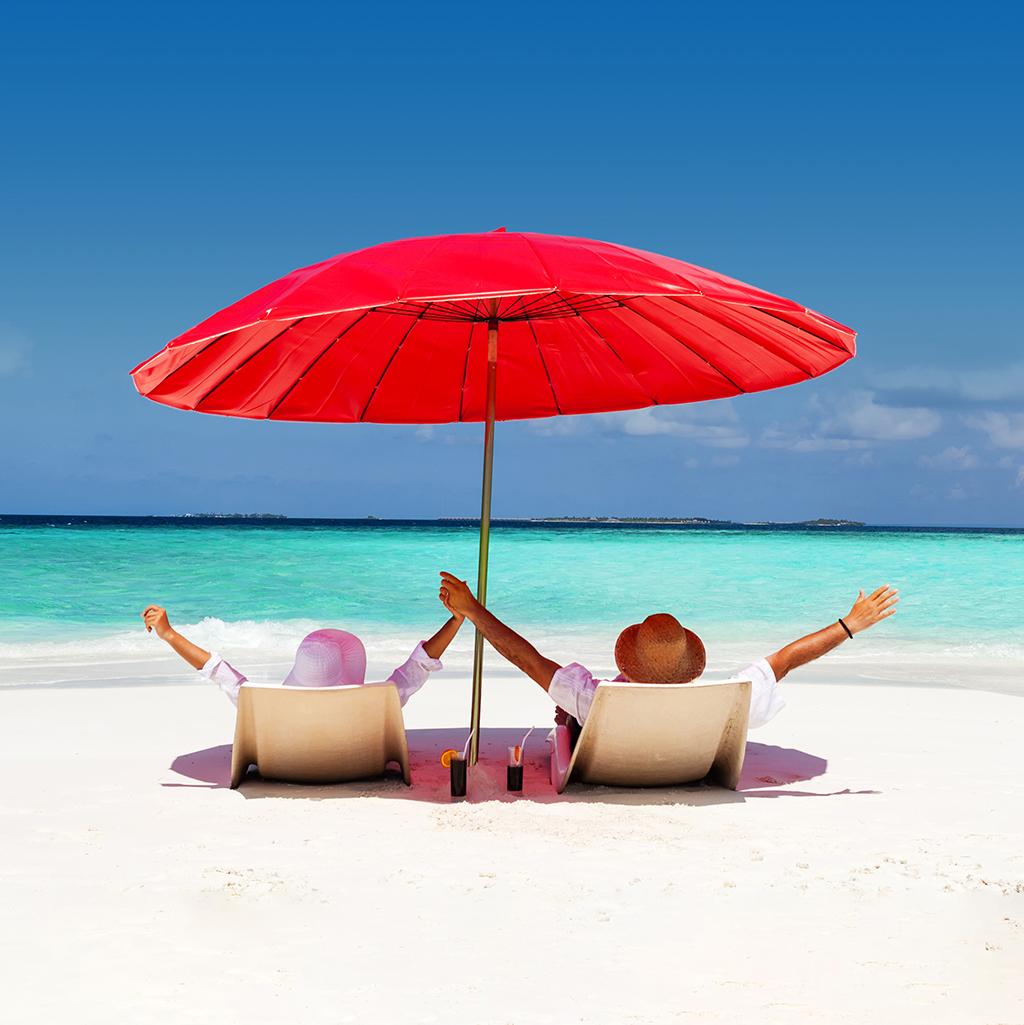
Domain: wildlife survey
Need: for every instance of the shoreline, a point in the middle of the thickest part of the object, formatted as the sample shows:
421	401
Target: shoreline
161	669
54	655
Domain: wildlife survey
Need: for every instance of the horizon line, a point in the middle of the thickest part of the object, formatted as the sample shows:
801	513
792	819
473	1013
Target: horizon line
823	521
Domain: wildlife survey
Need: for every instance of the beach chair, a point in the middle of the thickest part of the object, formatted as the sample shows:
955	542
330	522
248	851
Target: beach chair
318	734
645	734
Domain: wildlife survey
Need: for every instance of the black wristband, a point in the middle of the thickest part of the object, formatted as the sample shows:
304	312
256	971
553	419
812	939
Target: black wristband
849	632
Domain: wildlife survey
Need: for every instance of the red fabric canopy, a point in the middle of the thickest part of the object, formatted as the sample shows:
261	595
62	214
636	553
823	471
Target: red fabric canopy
397	333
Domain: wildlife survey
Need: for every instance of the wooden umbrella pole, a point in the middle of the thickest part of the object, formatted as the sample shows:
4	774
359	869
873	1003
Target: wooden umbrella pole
485	536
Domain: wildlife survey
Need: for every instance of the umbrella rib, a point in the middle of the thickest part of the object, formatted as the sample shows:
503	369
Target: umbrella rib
511	311
634	252
743	334
426	256
685	345
211	342
465	371
455	306
316	359
544	364
651	347
540	260
391	359
253	355
800	327
592	303
468	309
625	366
528	303
537	304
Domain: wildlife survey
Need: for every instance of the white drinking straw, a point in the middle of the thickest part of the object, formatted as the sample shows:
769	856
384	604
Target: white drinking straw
522	743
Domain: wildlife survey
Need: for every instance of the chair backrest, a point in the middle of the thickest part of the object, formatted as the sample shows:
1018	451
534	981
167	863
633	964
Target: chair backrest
645	734
318	734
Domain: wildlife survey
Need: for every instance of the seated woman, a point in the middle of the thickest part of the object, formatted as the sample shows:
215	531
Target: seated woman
325	658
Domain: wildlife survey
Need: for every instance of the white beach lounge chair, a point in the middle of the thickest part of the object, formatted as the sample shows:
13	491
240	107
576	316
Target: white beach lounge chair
645	734
318	734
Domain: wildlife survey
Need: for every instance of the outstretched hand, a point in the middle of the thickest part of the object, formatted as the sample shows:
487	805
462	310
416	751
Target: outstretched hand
456	596
156	619
873	608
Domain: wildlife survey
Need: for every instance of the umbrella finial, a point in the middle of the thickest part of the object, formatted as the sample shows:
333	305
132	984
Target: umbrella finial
496	230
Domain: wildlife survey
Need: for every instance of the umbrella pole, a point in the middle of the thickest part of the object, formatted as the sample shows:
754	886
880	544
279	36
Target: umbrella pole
485	536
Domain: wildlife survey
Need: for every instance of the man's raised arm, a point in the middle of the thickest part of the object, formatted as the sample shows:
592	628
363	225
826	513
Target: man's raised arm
866	611
458	599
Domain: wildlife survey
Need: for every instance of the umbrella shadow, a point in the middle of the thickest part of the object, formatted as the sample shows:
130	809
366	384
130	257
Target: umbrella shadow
765	769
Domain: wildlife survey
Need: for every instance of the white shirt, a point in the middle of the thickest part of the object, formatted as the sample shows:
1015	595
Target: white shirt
408	677
572	688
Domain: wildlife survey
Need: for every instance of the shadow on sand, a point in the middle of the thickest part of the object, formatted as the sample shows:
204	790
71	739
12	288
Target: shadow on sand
765	769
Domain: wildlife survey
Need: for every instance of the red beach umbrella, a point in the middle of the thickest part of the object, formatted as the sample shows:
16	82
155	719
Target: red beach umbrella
408	332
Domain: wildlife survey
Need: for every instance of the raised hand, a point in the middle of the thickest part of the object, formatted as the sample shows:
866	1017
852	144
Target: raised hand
456	596
873	608
156	619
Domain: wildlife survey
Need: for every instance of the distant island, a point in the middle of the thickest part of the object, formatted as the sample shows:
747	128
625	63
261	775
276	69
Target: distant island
669	521
698	521
675	521
811	523
233	516
693	521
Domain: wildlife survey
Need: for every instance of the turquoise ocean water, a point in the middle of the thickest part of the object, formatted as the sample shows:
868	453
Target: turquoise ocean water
70	587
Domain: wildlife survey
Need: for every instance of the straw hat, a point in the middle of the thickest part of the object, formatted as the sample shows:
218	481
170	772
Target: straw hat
328	658
660	650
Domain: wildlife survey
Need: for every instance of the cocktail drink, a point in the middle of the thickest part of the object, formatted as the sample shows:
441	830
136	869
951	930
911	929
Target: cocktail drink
457	769
514	769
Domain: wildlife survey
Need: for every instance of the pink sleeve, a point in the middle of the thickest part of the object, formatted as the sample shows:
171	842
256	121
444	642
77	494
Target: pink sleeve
413	672
225	675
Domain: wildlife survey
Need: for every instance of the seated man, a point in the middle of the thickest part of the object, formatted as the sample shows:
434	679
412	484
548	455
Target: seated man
325	658
660	650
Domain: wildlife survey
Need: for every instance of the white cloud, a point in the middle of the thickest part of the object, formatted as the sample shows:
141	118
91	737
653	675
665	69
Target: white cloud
860	416
1004	430
1020	476
693	425
715	424
851	422
952	458
809	441
564	426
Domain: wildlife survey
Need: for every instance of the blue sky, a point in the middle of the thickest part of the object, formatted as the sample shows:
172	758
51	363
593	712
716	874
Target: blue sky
863	159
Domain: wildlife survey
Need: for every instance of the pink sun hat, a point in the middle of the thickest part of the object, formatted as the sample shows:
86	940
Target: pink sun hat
328	658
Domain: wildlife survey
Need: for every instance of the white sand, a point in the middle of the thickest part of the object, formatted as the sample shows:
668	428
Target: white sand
871	869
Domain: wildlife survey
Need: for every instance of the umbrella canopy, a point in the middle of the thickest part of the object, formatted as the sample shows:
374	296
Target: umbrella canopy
398	334
408	332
